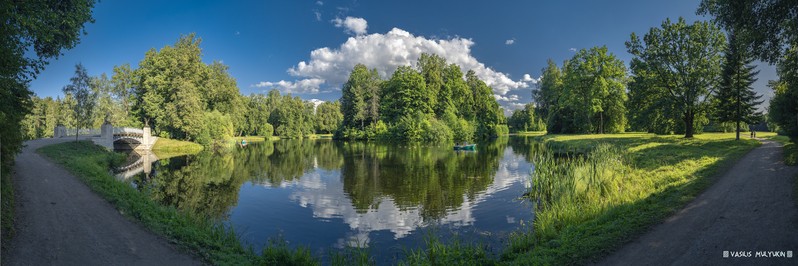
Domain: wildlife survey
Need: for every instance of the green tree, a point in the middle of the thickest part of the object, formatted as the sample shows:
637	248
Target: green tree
784	104
455	87
488	114
736	99
124	93
404	95
328	117
594	89
525	120
32	33
684	60
85	98
547	97
431	68
360	98
766	27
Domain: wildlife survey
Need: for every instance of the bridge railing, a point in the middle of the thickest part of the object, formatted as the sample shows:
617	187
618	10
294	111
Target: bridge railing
83	131
128	130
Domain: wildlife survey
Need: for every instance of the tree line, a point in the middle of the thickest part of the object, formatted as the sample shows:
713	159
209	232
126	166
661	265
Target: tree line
682	78
432	102
180	97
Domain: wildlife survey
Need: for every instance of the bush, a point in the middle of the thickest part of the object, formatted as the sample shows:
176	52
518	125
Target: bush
434	130
267	130
215	127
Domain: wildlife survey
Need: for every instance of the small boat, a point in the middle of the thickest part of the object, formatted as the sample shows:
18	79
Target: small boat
465	147
244	142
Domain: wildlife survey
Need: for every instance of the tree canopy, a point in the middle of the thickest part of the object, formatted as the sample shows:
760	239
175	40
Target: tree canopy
681	60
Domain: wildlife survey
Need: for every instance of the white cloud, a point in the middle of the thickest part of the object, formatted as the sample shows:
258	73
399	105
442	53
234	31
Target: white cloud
316	103
529	78
572	49
304	86
318	15
386	52
508	98
352	25
510	41
320	3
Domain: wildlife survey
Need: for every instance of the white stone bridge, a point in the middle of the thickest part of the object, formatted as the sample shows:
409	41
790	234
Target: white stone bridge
140	139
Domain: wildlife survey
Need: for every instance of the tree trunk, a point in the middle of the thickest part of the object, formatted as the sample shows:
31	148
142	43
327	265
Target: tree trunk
688	124
738	129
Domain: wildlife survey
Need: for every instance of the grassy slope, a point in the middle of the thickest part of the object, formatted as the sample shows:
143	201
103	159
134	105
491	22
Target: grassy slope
215	244
665	173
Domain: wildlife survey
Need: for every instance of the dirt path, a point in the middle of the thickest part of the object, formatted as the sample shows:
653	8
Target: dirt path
750	208
60	221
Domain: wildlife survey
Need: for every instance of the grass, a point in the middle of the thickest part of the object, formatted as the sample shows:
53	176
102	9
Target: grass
528	133
790	149
613	189
254	138
7	205
165	145
214	243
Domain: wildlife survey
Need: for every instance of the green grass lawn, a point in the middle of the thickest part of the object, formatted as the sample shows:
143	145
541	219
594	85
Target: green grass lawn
166	145
610	196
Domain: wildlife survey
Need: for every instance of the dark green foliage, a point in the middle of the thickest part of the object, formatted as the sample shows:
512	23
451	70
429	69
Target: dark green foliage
525	120
766	27
736	100
360	98
784	104
293	117
679	66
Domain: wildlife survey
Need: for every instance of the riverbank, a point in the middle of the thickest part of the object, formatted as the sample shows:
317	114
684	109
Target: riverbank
659	176
215	244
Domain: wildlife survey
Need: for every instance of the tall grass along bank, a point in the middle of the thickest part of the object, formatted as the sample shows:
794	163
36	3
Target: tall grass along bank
595	192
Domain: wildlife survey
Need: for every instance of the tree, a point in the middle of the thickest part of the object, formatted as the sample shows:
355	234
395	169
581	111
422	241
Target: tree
85	98
784	104
547	96
454	86
328	117
488	114
360	98
736	99
431	68
525	120
404	95
32	32
594	90
766	27
683	60
123	90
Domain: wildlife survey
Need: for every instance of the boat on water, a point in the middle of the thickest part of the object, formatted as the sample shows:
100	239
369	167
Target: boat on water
465	147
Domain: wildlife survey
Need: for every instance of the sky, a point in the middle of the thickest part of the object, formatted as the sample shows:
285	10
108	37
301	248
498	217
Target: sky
307	48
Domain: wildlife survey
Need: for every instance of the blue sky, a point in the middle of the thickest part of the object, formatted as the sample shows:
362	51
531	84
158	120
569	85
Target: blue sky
308	47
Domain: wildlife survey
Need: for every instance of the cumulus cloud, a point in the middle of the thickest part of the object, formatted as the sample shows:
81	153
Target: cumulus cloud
303	86
572	49
386	52
352	25
510	41
508	98
529	78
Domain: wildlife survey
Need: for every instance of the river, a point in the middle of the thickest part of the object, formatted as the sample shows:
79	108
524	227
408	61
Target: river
327	195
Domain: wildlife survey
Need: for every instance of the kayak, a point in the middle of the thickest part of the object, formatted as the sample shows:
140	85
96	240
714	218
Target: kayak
469	147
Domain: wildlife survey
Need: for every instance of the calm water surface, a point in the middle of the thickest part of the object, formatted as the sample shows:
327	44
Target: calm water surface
327	195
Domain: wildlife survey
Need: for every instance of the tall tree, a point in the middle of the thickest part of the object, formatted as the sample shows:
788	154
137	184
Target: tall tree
462	100
684	60
123	91
766	27
328	117
431	67
784	104
404	94
736	99
85	98
360	98
32	32
547	96
594	87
